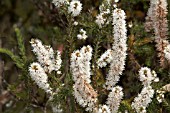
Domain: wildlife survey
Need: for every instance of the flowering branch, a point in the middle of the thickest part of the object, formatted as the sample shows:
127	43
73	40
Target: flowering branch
38	74
47	64
117	55
80	66
114	99
157	20
45	56
143	99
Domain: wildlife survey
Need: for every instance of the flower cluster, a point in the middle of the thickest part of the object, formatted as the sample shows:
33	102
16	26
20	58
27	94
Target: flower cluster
57	108
59	3
119	48
82	34
80	66
47	63
116	1
143	99
167	52
45	56
114	99
147	76
104	109
102	18
161	92
38	74
80	63
166	88
83	91
156	19
105	58
117	55
75	8
160	95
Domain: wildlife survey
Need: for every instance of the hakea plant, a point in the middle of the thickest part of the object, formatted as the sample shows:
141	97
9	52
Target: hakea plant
143	99
157	20
47	62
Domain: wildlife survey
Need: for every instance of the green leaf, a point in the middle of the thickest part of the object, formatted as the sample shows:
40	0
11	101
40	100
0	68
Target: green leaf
166	105
21	46
125	105
15	58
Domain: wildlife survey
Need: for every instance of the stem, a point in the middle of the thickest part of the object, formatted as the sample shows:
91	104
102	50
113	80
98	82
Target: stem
68	50
1	72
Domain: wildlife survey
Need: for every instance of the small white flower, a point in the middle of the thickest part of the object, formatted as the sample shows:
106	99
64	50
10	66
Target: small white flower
57	108
167	52
82	34
147	77
156	80
116	1
104	109
100	20
105	59
59	3
75	23
59	72
126	111
115	5
130	24
75	8
160	95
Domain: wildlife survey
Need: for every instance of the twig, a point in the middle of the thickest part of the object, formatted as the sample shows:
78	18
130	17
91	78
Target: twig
1	68
1	71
